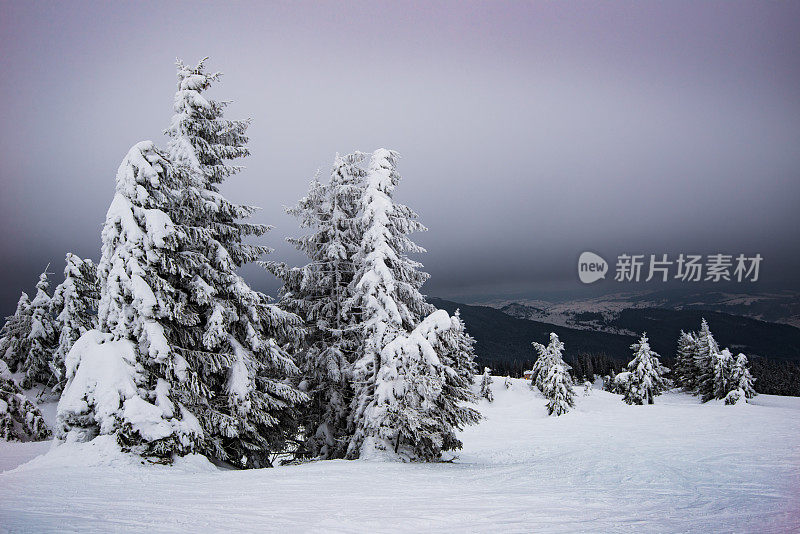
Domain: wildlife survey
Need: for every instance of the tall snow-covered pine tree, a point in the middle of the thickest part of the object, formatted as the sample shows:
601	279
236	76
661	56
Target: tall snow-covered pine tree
318	292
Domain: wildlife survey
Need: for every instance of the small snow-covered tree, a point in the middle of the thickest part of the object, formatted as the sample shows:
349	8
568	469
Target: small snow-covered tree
741	382
386	294
486	385
42	339
456	353
557	388
704	357
550	375
419	399
74	305
548	356
20	419
461	352
722	365
685	371
318	292
646	379
14	335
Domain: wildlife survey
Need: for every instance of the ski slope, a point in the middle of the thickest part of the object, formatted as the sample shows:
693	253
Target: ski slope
677	466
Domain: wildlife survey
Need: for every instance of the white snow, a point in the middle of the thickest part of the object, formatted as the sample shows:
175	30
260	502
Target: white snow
676	466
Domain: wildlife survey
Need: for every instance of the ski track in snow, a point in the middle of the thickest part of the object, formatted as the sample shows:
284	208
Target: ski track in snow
677	466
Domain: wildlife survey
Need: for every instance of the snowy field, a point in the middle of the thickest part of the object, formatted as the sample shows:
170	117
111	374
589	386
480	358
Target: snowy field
678	466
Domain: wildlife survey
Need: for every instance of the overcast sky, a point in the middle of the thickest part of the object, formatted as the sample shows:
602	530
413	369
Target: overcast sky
529	131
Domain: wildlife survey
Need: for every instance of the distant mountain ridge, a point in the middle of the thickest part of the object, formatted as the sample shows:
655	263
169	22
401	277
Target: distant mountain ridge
774	307
502	337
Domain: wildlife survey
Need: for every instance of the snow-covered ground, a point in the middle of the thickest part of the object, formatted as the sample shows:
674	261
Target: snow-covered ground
677	466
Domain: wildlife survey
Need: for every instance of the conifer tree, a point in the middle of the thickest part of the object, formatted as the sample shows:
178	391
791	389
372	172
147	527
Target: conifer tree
20	419
317	292
74	306
741	381
232	327
14	335
722	365
418	404
548	356
42	339
397	378
557	388
704	358
646	379
486	385
685	371
550	375
141	245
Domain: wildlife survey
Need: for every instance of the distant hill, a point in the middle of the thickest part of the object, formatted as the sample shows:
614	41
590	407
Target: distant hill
503	342
503	337
663	326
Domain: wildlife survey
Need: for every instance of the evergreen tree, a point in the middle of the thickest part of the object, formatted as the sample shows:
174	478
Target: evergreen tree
14	335
317	292
722	364
418	404
461	356
248	414
550	375
386	295
706	349
685	371
141	245
486	385
20	419
74	305
646	379
547	357
741	381
557	388
42	339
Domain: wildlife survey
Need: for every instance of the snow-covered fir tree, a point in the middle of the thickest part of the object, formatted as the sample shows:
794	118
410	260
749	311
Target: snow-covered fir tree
138	306
235	340
393	362
557	388
685	372
419	400
74	306
203	374
486	385
550	374
317	292
42	339
741	382
722	366
20	419
646	379
456	353
548	355
14	335
462	353
705	355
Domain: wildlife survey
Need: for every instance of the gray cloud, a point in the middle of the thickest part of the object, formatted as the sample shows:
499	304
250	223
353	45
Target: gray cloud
529	132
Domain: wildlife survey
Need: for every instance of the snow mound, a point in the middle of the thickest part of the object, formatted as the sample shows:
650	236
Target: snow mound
104	451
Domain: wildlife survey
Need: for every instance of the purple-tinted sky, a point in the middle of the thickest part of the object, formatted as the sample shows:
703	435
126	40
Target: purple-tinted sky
529	131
